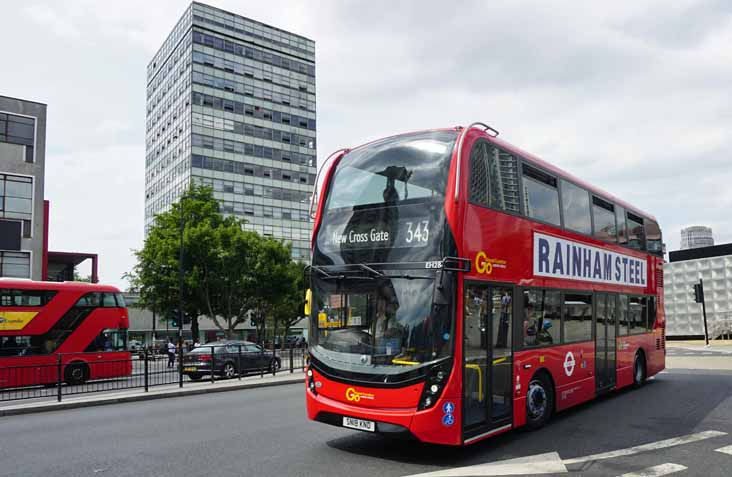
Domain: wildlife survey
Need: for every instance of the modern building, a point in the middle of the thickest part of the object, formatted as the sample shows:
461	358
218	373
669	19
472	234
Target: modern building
24	214
683	315
231	104
696	236
22	171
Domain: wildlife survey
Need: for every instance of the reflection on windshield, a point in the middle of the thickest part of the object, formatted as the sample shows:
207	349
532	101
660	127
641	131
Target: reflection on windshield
379	322
393	170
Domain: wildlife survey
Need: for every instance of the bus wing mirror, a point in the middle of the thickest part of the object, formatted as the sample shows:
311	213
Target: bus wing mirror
308	300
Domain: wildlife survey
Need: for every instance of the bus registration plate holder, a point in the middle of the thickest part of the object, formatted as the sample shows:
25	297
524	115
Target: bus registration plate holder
359	424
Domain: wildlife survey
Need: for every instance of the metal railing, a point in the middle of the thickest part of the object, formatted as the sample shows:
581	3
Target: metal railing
82	373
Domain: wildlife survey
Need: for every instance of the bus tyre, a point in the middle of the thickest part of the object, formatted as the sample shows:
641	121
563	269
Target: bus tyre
539	401
76	373
639	370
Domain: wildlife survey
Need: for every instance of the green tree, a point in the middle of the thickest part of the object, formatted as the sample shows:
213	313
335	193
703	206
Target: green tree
228	271
155	276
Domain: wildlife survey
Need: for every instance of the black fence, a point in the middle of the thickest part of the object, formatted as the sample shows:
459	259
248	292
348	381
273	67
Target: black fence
81	373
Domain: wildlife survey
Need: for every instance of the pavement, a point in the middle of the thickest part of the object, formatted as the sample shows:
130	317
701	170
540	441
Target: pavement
694	354
10	408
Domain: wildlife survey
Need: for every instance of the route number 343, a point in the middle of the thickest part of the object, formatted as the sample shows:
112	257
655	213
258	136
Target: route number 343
418	231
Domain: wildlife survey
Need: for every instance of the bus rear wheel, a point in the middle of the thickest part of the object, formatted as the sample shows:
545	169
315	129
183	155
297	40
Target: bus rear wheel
639	370
539	401
76	373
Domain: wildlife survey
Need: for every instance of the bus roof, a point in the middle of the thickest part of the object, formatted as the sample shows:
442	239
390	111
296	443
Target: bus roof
59	286
534	160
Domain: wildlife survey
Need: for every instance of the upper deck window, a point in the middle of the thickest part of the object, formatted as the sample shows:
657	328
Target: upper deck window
494	178
394	170
604	215
636	234
576	208
654	243
541	195
11	297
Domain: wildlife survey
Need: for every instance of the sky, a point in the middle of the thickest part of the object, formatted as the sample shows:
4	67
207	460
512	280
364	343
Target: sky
634	97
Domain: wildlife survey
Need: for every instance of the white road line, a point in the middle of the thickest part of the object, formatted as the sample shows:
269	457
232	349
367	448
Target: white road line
549	463
647	447
724	450
656	471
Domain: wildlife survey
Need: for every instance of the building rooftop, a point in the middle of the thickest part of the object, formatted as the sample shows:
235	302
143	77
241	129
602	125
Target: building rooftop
700	252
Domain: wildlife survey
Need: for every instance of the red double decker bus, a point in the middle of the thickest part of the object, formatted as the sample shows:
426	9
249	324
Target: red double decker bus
85	324
461	287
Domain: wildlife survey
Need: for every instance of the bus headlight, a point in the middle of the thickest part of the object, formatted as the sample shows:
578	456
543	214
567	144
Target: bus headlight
434	384
311	381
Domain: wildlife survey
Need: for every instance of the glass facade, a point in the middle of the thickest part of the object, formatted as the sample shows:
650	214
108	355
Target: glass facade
231	104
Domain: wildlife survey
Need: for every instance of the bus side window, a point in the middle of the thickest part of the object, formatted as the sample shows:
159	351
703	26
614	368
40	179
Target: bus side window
636	235
541	196
654	243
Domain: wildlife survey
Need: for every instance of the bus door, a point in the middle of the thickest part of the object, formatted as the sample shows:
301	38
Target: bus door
487	357
605	333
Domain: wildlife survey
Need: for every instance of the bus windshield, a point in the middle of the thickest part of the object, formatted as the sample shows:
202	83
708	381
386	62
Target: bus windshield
392	171
378	325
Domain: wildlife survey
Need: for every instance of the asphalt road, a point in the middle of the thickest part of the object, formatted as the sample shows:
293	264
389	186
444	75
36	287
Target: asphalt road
263	432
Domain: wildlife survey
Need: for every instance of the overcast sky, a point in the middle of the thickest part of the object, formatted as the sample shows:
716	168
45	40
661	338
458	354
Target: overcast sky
633	96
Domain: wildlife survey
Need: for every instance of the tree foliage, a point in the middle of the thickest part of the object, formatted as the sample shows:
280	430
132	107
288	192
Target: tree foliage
228	272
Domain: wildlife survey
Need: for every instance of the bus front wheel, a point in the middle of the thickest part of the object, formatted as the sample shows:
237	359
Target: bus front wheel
76	373
539	401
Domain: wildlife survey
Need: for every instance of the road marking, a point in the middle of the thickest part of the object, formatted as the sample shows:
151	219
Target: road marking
724	450
549	463
699	436
656	471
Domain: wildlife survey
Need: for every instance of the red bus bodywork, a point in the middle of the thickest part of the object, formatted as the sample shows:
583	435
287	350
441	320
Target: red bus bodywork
38	369
507	237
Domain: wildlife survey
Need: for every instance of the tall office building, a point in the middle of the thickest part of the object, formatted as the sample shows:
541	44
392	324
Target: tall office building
231	104
696	236
22	171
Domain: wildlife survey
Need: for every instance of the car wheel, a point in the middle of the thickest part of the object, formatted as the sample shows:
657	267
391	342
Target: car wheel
76	373
639	370
539	401
229	371
274	366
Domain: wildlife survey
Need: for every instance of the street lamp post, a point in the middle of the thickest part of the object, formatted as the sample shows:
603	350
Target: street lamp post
180	299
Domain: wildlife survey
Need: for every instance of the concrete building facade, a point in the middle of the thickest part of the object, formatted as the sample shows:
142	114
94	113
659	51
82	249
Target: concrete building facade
22	176
683	315
231	104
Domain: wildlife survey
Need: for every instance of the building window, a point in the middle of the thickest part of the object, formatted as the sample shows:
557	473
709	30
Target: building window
18	130
16	197
15	264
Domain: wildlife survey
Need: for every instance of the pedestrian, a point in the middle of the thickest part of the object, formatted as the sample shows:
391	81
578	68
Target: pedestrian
196	344
171	354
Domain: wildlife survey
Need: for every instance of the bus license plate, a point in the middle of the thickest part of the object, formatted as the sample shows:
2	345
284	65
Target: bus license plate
359	424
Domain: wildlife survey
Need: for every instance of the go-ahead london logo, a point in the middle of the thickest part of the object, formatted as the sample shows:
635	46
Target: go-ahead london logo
569	363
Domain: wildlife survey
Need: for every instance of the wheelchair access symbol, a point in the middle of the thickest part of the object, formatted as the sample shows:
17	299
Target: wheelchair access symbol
448	420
